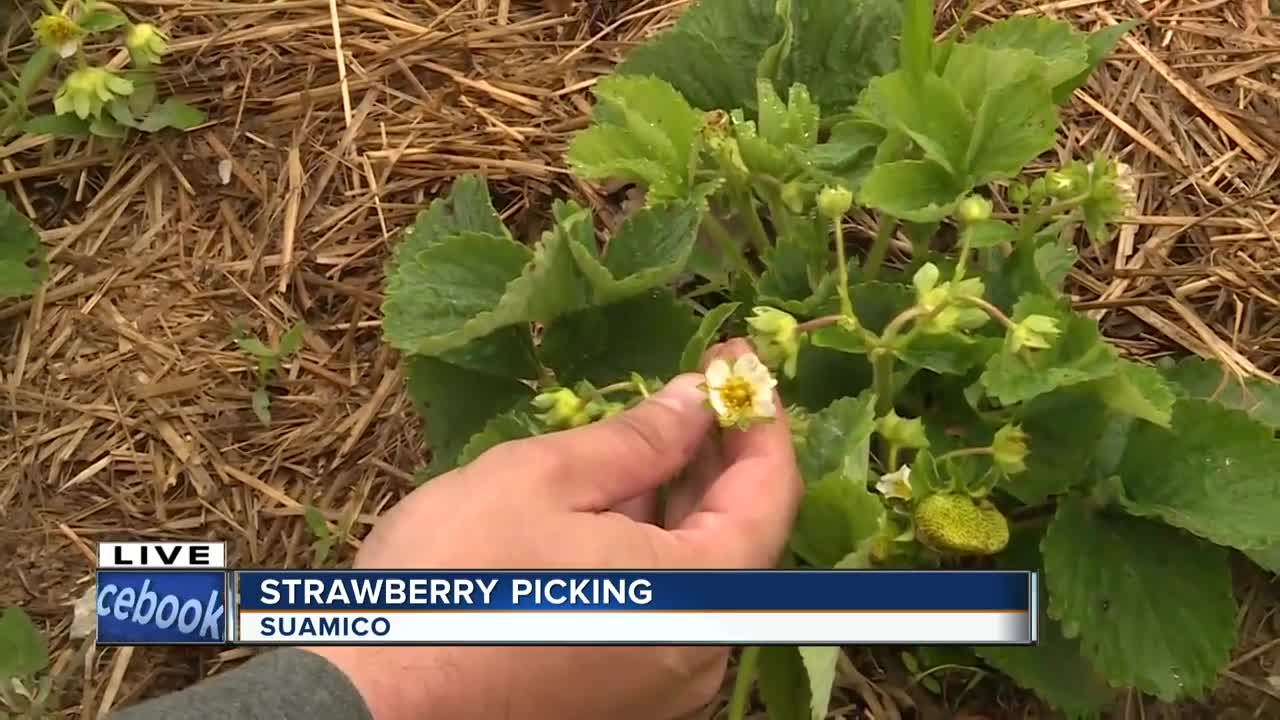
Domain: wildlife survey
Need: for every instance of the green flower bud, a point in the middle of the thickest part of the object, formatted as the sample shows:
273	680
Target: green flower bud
834	202
58	32
563	408
794	196
973	209
87	90
903	432
773	332
1060	185
729	156
925	279
1035	331
146	44
1009	449
955	524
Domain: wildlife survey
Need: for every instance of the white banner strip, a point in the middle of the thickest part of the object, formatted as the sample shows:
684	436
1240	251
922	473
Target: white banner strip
650	628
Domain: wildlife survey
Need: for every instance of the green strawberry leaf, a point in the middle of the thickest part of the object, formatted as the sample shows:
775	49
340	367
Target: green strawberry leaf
502	428
1100	44
1199	378
642	130
506	353
838	511
1063	431
794	122
1054	669
839	47
469	285
836	516
850	151
704	336
455	404
23	651
928	111
801	247
1120	584
650	249
457	276
22	260
171	114
820	668
990	233
63	126
646	334
1140	391
916	190
100	18
467	208
1064	51
1077	355
1013	118
1267	557
782	682
838	440
711	53
1213	473
824	376
716	48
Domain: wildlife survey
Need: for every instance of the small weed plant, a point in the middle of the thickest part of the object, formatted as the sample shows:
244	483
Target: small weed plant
956	412
268	360
25	682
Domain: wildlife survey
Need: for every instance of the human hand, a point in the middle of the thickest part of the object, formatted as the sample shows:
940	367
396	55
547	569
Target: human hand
578	499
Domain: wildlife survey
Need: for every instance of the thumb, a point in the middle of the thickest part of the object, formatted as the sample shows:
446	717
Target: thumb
633	452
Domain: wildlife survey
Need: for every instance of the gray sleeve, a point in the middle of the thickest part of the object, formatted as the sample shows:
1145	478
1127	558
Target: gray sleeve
285	684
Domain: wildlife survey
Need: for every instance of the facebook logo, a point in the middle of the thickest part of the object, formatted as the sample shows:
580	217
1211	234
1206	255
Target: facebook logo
161	608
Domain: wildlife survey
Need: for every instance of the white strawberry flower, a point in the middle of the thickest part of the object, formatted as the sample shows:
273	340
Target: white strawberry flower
896	484
742	392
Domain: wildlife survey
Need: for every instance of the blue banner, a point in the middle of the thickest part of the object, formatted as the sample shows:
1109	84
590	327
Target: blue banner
719	590
162	607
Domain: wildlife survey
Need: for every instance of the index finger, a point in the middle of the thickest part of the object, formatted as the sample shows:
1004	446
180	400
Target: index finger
745	515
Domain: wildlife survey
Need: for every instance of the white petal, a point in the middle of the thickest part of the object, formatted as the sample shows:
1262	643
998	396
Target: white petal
717	404
67	49
754	372
896	484
762	405
224	171
717	373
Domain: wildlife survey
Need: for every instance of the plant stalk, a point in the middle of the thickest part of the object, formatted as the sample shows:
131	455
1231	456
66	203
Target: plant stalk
746	208
965	452
742	684
842	269
879	247
882	379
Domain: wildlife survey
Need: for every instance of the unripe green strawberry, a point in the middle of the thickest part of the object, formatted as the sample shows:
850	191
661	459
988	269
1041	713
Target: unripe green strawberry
955	524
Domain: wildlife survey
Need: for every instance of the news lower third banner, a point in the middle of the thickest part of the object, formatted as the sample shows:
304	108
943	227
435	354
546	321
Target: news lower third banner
142	599
639	607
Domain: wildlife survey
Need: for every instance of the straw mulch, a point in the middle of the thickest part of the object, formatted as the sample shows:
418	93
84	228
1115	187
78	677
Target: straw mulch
126	404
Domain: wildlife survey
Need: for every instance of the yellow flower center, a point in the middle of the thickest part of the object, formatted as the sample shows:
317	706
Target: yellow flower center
56	29
736	394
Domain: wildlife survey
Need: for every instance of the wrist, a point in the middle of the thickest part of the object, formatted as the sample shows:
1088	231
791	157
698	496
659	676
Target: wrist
392	687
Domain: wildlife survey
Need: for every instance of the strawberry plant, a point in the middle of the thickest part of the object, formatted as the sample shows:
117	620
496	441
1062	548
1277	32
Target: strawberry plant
92	99
950	410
